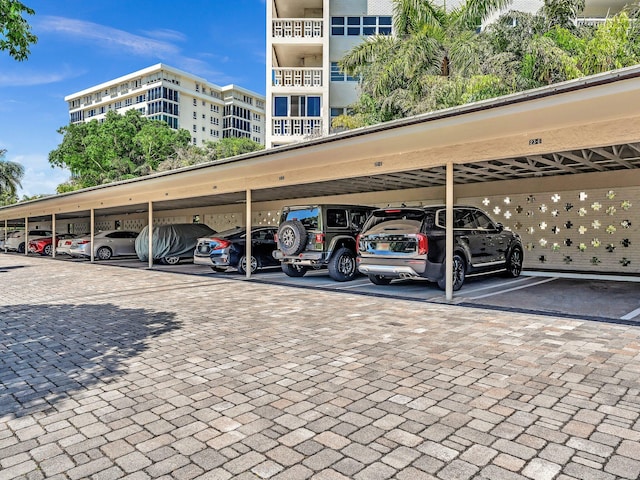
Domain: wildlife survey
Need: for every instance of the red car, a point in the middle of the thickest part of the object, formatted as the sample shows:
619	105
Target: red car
43	245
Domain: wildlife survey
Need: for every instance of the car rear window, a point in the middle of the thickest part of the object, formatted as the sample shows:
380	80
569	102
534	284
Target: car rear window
419	220
308	217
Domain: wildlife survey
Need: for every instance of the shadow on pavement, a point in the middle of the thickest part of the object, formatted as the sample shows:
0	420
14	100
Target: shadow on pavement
49	351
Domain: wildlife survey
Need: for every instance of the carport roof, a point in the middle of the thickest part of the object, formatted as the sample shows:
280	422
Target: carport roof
545	132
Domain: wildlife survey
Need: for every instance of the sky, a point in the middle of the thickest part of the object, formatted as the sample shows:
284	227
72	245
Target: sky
82	43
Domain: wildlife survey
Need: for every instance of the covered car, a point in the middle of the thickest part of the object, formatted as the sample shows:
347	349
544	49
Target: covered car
171	242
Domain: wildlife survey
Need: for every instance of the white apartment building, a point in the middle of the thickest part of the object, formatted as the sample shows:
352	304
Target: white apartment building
182	100
305	40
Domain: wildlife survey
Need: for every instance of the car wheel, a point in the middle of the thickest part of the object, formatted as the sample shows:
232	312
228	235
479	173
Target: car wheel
379	280
342	266
219	269
47	250
292	237
294	270
171	260
459	271
242	265
21	248
104	253
514	263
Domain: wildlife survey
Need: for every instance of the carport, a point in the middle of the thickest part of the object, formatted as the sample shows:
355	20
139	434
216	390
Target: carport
574	137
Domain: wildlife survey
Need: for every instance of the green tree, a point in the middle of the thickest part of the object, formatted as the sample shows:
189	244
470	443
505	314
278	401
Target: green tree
429	41
11	174
15	31
223	148
121	147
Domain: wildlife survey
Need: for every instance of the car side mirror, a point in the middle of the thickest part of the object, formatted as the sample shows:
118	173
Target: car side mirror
499	227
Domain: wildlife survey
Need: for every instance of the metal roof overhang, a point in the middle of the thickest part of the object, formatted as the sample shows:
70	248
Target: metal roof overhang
582	126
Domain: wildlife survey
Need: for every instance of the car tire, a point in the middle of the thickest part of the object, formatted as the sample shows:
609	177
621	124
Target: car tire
514	263
21	248
342	266
291	270
170	260
47	250
104	253
292	237
379	279
459	272
219	269
242	265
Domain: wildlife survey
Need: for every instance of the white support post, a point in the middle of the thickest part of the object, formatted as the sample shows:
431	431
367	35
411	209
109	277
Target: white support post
248	234
5	235
26	235
449	233
150	234
54	243
92	226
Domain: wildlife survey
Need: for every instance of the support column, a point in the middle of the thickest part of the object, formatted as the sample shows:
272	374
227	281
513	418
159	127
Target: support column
248	233
150	234
5	235
26	235
54	242
92	233
449	233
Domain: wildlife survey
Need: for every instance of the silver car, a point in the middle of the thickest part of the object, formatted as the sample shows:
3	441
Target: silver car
106	244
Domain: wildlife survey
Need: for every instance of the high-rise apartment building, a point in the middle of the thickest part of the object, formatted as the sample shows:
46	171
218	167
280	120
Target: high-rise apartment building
178	98
307	38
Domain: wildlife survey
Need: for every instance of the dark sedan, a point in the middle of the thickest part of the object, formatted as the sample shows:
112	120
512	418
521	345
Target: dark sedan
227	249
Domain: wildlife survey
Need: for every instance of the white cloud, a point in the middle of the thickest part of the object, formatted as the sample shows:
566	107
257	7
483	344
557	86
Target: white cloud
166	34
30	79
39	176
106	36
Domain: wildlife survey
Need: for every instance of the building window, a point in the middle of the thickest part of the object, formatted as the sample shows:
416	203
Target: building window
280	106
361	26
195	115
195	102
337	75
195	129
128	102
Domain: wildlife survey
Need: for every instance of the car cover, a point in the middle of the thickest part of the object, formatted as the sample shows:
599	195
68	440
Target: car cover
175	240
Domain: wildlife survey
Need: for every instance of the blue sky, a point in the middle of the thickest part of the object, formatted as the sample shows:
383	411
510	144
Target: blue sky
82	43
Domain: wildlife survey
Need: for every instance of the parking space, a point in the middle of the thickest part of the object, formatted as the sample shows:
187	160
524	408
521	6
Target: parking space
613	299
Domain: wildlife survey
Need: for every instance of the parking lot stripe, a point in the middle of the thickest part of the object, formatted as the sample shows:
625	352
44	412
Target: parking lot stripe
631	315
495	285
514	288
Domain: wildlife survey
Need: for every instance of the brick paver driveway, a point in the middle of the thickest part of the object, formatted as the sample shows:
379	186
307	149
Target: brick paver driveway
112	373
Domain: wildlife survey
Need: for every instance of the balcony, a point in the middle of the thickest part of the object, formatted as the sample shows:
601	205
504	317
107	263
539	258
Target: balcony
297	28
297	77
296	126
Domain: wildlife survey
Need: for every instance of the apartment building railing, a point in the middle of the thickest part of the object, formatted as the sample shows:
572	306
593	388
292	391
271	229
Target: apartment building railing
296	126
297	77
297	28
590	22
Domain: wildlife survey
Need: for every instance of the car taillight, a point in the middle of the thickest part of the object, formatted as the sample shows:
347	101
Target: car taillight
319	238
82	242
358	243
275	237
423	244
217	243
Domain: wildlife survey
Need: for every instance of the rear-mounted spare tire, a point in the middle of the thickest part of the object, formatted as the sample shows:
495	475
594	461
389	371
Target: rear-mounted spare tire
292	237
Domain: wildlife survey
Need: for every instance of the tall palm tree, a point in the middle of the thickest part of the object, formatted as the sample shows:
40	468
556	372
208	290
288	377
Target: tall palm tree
11	174
429	40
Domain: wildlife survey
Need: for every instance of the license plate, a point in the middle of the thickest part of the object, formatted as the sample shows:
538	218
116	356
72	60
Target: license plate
382	246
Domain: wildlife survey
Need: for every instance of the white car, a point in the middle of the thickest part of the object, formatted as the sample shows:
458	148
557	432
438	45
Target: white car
106	244
2	235
17	241
64	244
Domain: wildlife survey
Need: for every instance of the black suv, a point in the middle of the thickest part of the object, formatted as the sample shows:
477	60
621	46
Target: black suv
410	242
320	235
